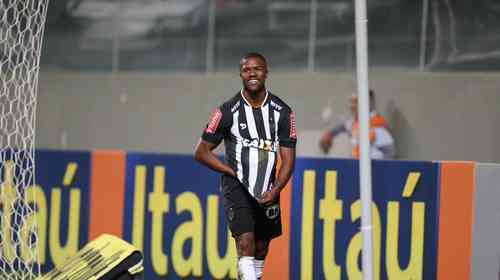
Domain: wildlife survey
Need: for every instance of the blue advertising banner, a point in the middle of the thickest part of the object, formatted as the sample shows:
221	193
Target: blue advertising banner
62	194
174	214
326	213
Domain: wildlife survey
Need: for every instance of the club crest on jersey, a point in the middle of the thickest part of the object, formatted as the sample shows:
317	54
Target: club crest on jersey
213	124
262	144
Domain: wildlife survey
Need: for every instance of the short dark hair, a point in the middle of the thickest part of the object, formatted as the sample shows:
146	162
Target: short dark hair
371	94
254	55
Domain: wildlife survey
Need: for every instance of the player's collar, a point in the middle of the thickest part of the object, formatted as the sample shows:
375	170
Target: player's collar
249	104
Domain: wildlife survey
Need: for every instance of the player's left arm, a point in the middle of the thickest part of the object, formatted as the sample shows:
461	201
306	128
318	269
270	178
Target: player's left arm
287	156
288	140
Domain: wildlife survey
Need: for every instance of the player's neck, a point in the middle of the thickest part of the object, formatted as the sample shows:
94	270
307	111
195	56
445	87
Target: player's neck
255	99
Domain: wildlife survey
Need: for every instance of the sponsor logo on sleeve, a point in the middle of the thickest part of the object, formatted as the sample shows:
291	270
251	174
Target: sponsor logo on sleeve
213	124
235	107
293	130
275	106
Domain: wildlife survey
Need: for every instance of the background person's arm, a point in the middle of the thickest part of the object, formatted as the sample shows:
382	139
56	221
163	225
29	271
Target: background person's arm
326	140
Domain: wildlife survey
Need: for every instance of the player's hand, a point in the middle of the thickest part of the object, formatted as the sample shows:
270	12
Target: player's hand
269	197
325	142
232	173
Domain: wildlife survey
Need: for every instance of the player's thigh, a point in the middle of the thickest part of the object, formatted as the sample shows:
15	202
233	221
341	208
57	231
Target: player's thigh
268	223
239	208
240	220
245	244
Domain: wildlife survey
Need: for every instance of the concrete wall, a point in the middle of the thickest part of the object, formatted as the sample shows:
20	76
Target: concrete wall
433	115
486	229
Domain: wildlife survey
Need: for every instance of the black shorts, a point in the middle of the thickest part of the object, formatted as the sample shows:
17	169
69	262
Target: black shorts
244	214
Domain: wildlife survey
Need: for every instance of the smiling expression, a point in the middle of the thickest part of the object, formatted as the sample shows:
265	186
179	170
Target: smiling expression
253	73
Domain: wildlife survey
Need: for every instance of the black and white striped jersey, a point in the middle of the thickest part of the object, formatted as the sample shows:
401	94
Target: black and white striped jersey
252	137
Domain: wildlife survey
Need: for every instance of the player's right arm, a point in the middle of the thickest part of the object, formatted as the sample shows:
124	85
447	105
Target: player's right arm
203	153
219	124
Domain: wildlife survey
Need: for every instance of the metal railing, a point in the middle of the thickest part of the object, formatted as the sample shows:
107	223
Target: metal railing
301	35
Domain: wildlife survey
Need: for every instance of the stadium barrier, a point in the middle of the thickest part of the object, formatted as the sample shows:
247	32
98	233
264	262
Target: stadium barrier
425	216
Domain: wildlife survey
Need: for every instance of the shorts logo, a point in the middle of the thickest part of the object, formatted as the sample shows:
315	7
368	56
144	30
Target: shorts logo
273	211
243	126
213	124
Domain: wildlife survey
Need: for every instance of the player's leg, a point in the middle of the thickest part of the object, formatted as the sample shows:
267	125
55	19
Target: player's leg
261	249
240	216
245	246
242	225
268	226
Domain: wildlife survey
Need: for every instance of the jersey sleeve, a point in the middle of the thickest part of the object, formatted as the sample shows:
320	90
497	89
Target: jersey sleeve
287	132
218	126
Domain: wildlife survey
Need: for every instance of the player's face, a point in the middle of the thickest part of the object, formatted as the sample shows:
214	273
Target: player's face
253	73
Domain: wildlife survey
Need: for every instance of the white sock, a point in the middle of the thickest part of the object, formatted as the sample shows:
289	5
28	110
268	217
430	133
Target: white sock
246	268
259	268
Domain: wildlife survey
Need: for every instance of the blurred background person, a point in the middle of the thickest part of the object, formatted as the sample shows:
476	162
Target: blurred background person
381	140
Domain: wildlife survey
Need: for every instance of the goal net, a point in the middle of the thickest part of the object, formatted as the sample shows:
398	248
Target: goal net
21	32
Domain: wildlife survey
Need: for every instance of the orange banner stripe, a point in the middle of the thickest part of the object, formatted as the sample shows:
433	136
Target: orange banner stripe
107	193
277	263
457	184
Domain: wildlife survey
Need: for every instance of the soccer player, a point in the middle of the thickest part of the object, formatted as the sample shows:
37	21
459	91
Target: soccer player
255	125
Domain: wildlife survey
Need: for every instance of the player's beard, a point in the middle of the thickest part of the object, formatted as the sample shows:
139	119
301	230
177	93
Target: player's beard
254	93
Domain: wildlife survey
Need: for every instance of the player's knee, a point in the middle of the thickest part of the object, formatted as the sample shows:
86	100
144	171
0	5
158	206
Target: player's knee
261	253
261	249
246	244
